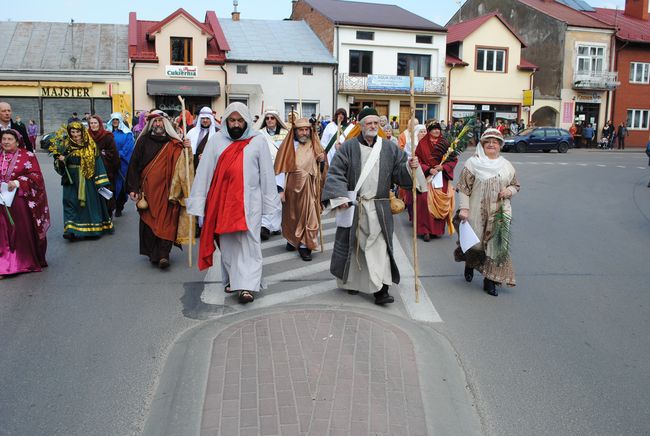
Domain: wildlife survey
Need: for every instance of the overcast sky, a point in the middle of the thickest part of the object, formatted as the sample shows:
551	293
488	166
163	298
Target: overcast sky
117	11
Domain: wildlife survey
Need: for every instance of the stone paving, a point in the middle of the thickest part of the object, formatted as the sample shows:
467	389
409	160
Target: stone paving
313	372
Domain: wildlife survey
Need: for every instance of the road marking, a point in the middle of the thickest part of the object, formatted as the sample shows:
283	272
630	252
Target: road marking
563	163
620	166
601	165
270	260
641	168
295	273
286	296
281	241
213	288
582	164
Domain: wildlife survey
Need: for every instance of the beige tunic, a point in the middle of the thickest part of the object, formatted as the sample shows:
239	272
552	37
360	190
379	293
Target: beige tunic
370	268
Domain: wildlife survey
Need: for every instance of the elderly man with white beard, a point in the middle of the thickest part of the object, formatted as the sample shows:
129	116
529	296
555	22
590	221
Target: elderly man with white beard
360	177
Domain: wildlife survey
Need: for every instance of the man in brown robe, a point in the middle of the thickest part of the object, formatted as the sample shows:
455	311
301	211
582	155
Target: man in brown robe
157	173
302	159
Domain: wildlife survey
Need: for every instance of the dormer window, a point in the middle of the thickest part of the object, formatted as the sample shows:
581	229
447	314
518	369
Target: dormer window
363	34
181	51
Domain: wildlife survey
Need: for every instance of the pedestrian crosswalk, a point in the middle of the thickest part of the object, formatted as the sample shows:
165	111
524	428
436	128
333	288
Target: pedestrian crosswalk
287	278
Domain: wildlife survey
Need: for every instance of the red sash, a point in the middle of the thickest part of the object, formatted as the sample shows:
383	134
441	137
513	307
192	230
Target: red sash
224	210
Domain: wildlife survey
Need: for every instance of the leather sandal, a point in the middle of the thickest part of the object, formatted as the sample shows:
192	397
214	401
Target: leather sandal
246	297
227	289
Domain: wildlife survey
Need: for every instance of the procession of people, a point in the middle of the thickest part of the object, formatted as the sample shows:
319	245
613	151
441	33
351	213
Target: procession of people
257	180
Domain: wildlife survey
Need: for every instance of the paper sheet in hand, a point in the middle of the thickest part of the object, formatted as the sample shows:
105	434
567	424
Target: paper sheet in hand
105	192
468	238
6	196
436	181
345	217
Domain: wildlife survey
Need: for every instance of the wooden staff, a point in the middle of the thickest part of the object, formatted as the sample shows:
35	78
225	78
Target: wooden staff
320	221
189	186
414	191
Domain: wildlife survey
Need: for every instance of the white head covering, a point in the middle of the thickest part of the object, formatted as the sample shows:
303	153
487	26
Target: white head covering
418	128
195	132
169	129
242	110
122	126
482	166
261	123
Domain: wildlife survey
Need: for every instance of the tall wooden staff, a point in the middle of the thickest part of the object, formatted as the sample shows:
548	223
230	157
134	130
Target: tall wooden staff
414	146
320	220
189	186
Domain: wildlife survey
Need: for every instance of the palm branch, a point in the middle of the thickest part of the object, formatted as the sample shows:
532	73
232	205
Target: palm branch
501	235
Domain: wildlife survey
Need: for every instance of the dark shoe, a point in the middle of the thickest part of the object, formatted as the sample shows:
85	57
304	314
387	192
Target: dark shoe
382	297
69	236
277	232
246	297
290	247
265	234
426	237
490	287
353	292
305	254
118	213
432	236
163	263
469	273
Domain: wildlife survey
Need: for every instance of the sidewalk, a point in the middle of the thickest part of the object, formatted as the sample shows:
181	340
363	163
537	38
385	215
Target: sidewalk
312	370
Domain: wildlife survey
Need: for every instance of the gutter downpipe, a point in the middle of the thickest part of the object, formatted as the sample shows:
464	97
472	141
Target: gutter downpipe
335	90
225	87
530	85
133	87
449	94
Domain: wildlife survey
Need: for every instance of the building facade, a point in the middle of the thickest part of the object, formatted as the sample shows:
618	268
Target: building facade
376	46
280	65
486	74
575	84
50	70
178	56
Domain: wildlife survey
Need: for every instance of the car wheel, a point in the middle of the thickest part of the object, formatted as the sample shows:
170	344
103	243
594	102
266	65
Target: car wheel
521	147
563	147
547	150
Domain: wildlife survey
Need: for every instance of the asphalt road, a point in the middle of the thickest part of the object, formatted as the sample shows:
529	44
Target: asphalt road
565	352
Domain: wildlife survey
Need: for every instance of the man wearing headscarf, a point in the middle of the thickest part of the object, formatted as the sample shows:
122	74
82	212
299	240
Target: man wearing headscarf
124	142
274	131
234	188
200	134
157	173
299	159
363	259
336	130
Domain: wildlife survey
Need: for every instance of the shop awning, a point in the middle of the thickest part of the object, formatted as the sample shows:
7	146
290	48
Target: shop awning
241	88
210	88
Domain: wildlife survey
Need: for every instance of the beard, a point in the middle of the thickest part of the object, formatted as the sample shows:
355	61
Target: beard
370	133
303	139
235	132
158	130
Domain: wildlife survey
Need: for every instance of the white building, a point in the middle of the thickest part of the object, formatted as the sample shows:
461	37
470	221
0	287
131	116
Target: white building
278	64
376	46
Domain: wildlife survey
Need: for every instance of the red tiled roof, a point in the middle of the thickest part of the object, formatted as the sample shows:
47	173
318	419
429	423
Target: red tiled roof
566	14
142	46
453	61
458	32
527	66
629	28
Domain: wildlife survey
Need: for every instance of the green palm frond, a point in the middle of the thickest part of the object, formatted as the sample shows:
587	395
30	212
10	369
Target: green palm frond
501	235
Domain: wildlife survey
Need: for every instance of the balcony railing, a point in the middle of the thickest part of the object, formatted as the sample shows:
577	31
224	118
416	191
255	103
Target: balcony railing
596	80
394	85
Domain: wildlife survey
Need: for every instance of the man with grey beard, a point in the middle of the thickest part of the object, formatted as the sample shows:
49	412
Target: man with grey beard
357	188
301	159
154	174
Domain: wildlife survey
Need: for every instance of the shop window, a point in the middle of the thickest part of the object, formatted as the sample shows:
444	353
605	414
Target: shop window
369	36
278	69
242	69
360	62
237	99
424	39
639	72
181	51
420	64
308	108
590	59
307	71
493	60
424	112
637	119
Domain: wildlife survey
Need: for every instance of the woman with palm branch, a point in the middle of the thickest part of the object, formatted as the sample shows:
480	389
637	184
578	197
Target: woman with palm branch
486	185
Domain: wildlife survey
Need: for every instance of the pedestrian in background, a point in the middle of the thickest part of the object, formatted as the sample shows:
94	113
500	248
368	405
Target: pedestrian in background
124	143
32	132
108	152
7	123
485	186
588	135
621	134
24	224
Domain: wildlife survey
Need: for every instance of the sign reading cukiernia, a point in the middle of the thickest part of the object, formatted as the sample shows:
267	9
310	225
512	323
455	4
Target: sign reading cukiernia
185	71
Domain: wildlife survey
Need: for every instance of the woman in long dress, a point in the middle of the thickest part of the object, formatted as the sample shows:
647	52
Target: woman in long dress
486	185
77	160
24	224
110	157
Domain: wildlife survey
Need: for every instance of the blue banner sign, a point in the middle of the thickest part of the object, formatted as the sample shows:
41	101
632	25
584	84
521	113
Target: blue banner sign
386	82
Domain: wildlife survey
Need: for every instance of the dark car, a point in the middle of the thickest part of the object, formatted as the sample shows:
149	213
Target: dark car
46	140
539	138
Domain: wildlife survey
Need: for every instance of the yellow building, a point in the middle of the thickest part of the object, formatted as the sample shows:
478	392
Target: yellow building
486	75
50	70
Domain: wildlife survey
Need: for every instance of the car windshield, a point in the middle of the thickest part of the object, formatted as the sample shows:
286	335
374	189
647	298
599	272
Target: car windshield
526	131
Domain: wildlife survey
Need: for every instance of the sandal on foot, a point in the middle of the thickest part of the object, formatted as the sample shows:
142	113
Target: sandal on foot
246	297
227	289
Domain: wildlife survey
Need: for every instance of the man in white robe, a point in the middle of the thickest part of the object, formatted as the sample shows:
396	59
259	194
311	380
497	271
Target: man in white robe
246	178
336	133
200	135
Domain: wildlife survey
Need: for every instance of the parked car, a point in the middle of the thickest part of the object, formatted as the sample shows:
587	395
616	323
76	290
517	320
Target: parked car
539	138
46	140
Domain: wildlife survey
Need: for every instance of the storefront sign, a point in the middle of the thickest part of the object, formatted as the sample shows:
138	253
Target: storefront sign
485	107
567	112
506	115
65	92
181	71
588	98
466	107
462	114
385	82
529	98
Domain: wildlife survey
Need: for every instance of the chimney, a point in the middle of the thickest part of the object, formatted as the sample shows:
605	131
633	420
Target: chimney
235	14
637	9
